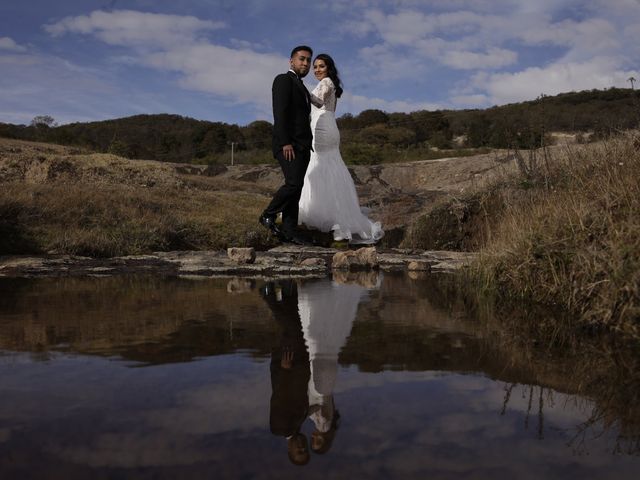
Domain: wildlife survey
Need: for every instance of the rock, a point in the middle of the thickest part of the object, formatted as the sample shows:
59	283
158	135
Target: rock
367	279
241	255
239	285
361	259
417	275
279	262
319	262
419	266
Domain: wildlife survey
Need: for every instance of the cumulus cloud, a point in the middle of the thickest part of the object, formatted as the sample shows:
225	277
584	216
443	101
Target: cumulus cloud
402	55
9	44
466	60
525	48
132	28
556	78
175	43
239	74
412	35
470	100
584	39
38	84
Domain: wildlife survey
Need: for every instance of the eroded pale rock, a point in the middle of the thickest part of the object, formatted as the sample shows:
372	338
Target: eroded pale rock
241	255
362	259
314	261
419	266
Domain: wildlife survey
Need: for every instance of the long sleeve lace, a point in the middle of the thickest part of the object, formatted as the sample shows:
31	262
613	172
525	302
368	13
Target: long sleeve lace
323	96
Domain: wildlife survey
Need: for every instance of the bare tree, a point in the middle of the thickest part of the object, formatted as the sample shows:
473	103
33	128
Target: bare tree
631	80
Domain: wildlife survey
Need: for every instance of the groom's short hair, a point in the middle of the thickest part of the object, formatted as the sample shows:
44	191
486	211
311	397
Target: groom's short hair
299	48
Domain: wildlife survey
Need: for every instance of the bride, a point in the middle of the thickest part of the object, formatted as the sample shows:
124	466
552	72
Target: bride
329	201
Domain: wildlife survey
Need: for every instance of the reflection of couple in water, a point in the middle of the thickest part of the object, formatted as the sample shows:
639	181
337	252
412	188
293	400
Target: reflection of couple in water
315	318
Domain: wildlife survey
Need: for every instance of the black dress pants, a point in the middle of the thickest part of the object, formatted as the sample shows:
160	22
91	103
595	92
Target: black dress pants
286	198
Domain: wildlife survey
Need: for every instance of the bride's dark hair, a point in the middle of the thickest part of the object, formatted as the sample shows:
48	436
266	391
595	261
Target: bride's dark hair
332	72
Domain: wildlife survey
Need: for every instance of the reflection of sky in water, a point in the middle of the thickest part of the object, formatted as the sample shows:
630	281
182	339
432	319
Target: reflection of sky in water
209	418
99	412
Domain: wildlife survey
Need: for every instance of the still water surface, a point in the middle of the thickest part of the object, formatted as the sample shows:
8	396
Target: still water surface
367	377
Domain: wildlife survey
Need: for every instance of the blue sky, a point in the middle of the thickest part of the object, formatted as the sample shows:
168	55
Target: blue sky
84	60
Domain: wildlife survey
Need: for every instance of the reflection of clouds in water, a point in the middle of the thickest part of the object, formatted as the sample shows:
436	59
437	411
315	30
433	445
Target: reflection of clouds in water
215	410
207	398
441	426
238	405
408	424
133	449
352	379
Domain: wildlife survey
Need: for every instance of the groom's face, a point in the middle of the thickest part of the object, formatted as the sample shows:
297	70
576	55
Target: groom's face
300	62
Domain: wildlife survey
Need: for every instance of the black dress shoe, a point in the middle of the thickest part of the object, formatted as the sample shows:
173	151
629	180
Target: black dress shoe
270	223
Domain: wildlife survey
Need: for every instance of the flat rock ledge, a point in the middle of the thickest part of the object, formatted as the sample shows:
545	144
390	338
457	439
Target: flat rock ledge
282	261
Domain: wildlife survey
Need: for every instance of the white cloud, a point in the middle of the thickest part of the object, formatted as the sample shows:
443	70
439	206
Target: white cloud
132	28
39	84
382	63
240	44
402	28
592	46
494	57
451	39
241	74
358	103
584	39
9	44
171	43
556	78
410	26
465	100
403	55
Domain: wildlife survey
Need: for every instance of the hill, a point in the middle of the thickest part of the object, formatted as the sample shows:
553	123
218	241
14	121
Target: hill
69	200
371	137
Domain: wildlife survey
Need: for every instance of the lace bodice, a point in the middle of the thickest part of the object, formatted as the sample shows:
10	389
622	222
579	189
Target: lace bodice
324	95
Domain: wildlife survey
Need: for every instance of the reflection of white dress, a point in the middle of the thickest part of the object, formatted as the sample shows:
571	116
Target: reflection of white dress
329	200
327	311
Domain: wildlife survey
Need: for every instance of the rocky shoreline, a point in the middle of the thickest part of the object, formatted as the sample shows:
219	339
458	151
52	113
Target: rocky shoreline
282	261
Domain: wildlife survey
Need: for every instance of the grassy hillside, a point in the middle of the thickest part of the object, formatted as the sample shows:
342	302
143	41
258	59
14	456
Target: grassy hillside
61	200
371	137
564	231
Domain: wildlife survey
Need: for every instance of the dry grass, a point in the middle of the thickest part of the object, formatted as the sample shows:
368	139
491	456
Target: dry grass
103	205
573	238
121	220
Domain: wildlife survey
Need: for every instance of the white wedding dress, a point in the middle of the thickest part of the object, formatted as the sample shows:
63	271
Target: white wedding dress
329	201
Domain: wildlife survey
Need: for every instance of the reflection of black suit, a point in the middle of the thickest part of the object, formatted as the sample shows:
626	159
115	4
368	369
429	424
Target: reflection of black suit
291	126
289	401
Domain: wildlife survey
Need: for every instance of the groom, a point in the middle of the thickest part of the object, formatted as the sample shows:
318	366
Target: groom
291	144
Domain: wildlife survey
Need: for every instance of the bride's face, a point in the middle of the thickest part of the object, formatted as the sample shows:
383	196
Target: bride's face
320	69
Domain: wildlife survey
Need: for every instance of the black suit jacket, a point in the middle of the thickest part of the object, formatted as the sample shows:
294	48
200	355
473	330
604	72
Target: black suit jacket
291	110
